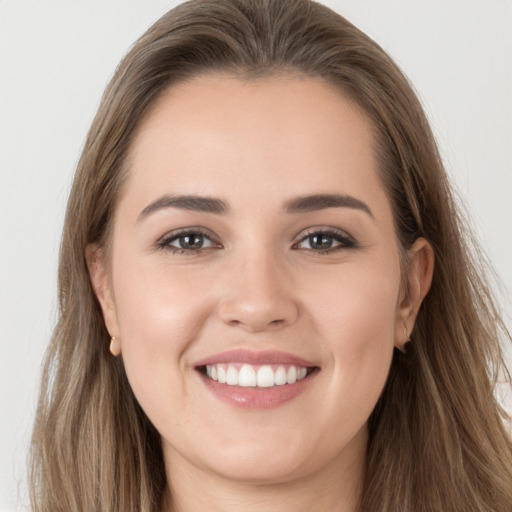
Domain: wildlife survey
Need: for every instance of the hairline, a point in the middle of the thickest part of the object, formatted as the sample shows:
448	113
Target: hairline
247	76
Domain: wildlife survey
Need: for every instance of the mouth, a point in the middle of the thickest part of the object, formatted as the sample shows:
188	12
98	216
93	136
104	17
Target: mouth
257	376
256	380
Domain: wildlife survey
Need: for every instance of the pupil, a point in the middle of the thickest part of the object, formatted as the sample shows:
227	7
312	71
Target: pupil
194	241
320	241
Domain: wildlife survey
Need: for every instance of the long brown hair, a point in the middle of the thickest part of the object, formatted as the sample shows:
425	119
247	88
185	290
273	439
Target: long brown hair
437	436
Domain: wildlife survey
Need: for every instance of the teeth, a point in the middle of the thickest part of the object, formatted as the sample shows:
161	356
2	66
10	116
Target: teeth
232	376
221	375
291	376
280	376
247	375
265	377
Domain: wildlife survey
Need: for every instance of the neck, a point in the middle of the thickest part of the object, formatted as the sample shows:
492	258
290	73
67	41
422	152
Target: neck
336	486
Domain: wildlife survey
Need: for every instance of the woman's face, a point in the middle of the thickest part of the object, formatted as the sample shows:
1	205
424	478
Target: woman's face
254	243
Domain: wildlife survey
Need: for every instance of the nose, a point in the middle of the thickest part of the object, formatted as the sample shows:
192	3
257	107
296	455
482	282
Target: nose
259	295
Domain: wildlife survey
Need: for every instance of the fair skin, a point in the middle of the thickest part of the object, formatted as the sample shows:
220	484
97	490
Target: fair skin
266	275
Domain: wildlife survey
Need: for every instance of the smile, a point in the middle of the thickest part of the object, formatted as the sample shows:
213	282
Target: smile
256	379
262	376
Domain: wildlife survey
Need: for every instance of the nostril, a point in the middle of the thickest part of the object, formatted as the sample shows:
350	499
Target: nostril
256	313
254	325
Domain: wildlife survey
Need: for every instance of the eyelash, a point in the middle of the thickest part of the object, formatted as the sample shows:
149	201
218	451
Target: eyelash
344	240
165	241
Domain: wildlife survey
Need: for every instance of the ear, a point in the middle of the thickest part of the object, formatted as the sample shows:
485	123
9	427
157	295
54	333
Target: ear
102	286
418	280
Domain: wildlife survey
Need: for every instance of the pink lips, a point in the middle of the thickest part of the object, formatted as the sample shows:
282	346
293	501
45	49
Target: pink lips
256	397
257	358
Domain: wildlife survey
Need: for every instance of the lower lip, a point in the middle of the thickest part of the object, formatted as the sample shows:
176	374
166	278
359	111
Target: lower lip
258	398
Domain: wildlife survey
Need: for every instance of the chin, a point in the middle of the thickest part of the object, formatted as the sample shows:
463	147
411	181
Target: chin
262	468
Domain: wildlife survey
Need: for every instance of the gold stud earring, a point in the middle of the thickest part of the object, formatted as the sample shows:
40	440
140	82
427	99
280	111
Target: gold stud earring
115	346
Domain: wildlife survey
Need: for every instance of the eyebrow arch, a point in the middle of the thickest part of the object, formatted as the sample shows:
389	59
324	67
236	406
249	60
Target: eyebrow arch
321	201
193	203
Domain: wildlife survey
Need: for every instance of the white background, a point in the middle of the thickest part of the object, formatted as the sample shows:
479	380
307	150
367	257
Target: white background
57	56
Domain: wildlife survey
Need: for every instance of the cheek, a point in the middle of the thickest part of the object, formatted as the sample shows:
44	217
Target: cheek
160	314
356	303
356	319
157	304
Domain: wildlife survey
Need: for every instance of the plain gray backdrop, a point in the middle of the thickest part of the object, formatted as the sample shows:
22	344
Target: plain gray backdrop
55	60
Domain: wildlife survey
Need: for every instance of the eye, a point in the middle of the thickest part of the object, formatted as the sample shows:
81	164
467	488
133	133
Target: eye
325	240
188	240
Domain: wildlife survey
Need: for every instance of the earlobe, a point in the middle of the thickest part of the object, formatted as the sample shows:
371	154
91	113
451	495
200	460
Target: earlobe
101	284
419	278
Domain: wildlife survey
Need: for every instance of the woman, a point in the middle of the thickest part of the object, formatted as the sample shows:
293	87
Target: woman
267	302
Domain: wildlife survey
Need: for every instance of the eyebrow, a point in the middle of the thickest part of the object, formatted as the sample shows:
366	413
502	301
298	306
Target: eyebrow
322	201
301	204
193	203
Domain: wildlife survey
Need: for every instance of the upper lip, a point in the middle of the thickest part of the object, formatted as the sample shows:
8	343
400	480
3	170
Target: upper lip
255	358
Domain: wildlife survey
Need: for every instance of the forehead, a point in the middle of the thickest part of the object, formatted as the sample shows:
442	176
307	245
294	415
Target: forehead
282	135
